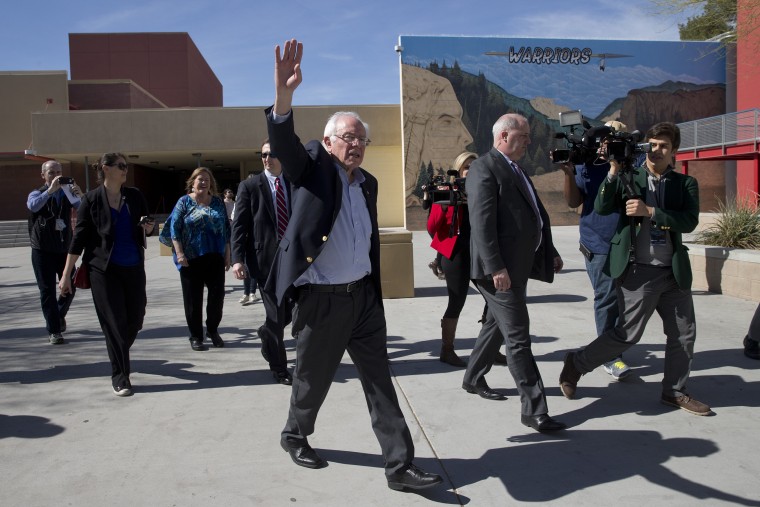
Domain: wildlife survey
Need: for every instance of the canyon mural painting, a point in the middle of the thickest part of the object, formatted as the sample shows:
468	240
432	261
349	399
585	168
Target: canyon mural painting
454	89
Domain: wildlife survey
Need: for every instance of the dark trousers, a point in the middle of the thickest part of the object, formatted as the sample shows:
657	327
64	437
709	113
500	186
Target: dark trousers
644	290
457	270
48	268
204	271
272	333
754	326
325	326
249	286
120	300
508	317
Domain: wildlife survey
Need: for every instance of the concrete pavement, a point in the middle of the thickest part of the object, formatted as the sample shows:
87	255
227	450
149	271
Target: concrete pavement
203	427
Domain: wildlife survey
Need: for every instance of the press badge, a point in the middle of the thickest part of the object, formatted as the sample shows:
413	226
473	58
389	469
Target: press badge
656	236
59	224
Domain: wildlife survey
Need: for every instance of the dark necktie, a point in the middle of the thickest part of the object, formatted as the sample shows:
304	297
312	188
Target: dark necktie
523	182
282	210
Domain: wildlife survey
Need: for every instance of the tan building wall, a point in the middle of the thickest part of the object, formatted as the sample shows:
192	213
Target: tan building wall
171	140
164	145
23	92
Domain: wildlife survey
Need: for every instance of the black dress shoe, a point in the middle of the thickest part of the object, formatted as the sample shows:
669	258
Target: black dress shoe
413	478
303	455
542	422
197	344
282	377
483	391
500	358
215	338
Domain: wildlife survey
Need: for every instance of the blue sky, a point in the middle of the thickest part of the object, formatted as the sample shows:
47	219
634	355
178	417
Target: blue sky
349	55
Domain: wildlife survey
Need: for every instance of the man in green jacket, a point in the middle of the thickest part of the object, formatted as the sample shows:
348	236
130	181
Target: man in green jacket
651	266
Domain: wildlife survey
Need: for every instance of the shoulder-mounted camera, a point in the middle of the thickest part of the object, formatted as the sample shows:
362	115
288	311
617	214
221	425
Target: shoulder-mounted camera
449	190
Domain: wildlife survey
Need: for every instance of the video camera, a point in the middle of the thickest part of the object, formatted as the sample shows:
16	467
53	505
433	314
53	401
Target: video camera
624	146
596	142
449	192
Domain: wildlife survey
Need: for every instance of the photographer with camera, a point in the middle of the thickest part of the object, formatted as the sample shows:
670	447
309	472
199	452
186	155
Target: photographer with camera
650	263
581	186
449	227
50	235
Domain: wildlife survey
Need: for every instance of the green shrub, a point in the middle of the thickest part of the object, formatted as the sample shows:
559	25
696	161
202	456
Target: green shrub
738	226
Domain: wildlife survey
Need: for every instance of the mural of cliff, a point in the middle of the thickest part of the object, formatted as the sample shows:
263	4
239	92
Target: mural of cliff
455	88
643	108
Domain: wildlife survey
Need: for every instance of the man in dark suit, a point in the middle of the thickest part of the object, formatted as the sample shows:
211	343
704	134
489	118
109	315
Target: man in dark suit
651	266
510	242
261	212
329	262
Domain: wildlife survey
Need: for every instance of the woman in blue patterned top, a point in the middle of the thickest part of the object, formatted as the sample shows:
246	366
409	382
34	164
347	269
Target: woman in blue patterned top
200	233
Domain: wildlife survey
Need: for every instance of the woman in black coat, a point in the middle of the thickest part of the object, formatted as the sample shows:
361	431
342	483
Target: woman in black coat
112	222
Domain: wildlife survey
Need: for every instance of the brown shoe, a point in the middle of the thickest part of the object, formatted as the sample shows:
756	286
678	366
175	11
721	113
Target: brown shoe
448	331
448	356
569	377
687	403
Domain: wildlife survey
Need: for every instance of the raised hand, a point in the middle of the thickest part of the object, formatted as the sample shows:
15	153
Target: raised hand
287	74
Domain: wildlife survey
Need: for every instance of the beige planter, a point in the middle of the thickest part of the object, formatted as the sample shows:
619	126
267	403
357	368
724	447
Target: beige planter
730	271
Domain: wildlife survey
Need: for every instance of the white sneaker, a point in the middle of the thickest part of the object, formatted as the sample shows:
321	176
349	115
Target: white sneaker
617	368
245	299
254	298
122	391
57	339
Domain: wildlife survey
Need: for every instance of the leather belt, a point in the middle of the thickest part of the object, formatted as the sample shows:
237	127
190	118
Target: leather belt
339	288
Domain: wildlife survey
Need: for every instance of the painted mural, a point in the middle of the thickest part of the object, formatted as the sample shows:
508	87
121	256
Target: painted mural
455	88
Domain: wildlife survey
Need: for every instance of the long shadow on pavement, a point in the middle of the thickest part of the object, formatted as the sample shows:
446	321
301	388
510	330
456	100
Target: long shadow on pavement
542	468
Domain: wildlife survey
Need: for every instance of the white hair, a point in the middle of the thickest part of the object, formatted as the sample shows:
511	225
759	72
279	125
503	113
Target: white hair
507	123
330	126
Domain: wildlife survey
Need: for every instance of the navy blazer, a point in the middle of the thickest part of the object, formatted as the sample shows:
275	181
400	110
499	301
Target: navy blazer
315	203
254	228
94	232
504	226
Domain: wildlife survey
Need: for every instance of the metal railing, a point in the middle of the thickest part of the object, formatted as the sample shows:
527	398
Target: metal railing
720	131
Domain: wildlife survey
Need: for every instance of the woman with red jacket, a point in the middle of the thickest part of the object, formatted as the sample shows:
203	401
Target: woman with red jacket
449	226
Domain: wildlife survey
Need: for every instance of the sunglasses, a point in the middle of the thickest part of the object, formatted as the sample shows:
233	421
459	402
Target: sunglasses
120	165
268	154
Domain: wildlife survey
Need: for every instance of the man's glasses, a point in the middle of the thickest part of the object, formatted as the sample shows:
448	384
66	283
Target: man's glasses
120	165
266	154
351	139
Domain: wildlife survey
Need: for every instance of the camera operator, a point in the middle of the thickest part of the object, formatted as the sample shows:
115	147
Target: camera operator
651	266
427	203
449	227
50	235
581	187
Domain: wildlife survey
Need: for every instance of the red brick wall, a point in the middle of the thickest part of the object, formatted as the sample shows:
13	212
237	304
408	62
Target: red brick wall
26	176
167	65
122	95
747	88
